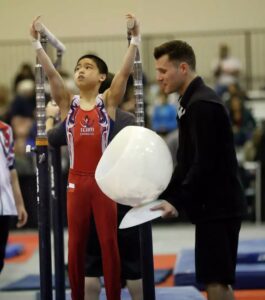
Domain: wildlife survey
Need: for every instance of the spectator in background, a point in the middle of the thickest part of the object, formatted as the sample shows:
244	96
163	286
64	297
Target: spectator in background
11	201
226	70
4	103
254	150
243	122
260	156
24	102
252	146
164	118
234	89
129	102
22	120
25	72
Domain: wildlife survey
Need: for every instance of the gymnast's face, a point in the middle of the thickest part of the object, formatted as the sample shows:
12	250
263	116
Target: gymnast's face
87	74
170	75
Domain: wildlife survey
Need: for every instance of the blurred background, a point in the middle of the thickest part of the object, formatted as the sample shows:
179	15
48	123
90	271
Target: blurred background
229	41
228	38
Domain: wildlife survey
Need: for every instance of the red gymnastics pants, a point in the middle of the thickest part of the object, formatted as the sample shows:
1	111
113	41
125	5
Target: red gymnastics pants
85	198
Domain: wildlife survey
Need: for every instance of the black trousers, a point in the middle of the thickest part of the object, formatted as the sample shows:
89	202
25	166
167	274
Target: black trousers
4	230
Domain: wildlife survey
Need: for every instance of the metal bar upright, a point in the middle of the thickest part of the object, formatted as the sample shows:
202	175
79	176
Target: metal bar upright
57	206
42	187
145	230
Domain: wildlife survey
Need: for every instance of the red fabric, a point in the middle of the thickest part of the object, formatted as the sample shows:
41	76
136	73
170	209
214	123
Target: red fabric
87	140
84	199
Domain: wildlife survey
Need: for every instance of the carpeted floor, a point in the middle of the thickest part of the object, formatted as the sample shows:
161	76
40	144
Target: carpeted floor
165	261
168	261
30	242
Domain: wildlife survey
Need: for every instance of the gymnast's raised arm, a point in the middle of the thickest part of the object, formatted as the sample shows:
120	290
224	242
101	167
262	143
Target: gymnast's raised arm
115	93
58	90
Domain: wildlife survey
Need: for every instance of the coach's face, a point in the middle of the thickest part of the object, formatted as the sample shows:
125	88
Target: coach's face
171	75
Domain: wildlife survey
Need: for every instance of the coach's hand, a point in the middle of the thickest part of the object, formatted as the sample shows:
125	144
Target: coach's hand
169	211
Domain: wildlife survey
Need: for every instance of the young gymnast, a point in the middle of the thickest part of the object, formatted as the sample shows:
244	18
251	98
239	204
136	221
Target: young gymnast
88	125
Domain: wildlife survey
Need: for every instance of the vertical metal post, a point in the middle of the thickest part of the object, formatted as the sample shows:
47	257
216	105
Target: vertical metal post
57	212
42	187
57	217
145	230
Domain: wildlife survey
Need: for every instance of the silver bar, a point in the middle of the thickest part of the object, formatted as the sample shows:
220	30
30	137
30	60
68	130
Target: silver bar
51	38
137	81
40	102
138	90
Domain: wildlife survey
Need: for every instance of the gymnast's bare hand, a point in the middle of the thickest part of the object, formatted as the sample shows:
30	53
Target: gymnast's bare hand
135	31
169	211
33	31
21	215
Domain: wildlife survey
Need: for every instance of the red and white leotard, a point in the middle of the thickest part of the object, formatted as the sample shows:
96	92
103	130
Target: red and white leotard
87	135
7	158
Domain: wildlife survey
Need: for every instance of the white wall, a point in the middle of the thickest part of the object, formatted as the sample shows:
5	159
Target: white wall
77	18
81	24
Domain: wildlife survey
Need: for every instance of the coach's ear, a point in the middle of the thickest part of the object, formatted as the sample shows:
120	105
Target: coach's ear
184	67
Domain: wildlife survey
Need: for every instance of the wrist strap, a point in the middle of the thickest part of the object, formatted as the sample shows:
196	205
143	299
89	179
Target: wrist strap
36	44
136	40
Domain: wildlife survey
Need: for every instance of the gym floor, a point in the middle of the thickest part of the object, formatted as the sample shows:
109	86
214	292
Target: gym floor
167	239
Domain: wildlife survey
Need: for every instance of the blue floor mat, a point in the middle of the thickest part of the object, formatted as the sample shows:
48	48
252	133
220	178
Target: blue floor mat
32	282
168	293
162	274
251	251
13	250
250	269
27	283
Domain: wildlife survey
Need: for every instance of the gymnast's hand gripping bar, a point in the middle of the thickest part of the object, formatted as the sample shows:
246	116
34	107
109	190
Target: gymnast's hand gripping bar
45	36
137	80
51	38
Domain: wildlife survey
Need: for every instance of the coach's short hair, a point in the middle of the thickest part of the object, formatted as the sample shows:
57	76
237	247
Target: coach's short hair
177	51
